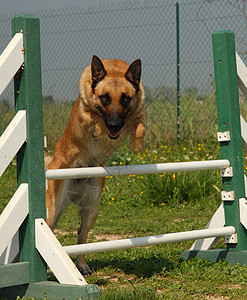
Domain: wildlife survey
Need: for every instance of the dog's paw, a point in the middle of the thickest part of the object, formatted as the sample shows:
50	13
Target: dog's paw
140	131
85	270
137	138
136	145
99	129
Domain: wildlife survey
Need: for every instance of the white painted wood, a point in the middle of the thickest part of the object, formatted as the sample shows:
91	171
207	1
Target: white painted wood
243	126
148	240
11	60
243	211
242	74
217	221
55	256
245	185
13	215
12	139
73	173
10	253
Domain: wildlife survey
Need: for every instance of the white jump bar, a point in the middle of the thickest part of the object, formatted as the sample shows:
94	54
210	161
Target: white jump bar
148	240
74	173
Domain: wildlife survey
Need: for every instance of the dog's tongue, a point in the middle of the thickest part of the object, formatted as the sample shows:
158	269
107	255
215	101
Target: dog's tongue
113	134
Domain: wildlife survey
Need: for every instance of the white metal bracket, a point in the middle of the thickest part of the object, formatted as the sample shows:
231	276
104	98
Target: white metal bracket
231	239
243	211
227	172
227	196
223	136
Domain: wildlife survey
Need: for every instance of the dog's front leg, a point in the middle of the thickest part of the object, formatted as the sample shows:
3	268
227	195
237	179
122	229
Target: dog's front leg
89	205
100	128
137	135
55	201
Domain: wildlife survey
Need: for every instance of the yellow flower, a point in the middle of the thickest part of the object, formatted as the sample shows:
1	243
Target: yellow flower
109	202
112	198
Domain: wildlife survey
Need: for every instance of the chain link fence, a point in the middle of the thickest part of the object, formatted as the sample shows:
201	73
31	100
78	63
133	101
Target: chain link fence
131	30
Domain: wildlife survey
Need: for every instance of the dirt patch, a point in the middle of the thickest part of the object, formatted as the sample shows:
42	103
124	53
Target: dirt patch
107	237
92	235
64	232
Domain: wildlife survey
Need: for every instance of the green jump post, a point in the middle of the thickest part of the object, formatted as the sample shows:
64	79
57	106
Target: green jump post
226	82
30	159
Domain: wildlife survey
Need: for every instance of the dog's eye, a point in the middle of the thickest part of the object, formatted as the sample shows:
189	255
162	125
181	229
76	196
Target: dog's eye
125	100
105	99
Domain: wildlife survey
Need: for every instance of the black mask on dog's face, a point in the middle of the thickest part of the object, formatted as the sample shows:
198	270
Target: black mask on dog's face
114	92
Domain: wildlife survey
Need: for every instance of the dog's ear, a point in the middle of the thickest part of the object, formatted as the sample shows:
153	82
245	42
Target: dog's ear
98	71
133	74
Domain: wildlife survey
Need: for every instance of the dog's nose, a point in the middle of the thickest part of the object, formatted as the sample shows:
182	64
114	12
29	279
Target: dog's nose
113	125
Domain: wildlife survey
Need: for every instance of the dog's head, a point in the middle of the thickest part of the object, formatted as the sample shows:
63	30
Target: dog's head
116	91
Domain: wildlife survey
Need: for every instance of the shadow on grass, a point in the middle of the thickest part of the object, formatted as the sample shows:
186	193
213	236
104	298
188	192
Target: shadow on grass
142	267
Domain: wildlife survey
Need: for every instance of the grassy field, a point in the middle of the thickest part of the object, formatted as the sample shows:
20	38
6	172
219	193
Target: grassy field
134	206
157	204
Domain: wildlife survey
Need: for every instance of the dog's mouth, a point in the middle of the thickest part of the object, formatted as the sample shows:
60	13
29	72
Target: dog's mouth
113	133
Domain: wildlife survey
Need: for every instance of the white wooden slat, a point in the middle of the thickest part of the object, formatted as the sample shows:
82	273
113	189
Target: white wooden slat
243	212
11	252
242	74
245	185
10	60
217	221
13	215
243	126
54	255
12	139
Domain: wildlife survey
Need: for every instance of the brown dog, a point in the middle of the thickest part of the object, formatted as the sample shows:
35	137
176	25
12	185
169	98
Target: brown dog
110	107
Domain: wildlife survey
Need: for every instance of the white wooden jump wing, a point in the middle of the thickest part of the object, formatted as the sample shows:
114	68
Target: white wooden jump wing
11	252
11	60
242	74
12	139
243	132
217	221
55	256
13	215
135	169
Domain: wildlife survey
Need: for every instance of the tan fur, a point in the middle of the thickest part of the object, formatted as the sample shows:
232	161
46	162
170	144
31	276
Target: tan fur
86	143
